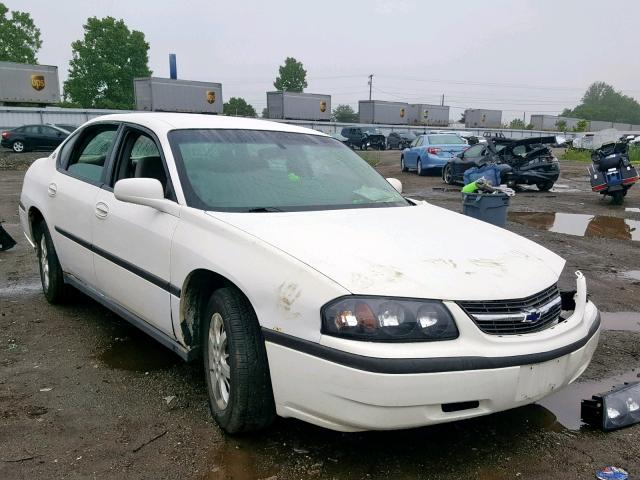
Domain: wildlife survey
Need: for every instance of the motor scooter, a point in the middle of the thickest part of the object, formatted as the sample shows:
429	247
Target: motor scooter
611	172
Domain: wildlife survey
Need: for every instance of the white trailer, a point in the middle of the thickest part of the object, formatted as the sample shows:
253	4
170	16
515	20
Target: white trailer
298	106
23	83
166	95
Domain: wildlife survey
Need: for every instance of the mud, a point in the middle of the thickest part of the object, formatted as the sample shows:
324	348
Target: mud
84	395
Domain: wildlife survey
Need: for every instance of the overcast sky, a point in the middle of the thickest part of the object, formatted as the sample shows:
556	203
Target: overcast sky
533	56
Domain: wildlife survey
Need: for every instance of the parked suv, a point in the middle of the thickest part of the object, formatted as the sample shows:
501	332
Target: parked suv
400	140
364	137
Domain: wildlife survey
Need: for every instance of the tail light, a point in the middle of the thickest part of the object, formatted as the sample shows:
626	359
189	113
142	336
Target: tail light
433	150
5	135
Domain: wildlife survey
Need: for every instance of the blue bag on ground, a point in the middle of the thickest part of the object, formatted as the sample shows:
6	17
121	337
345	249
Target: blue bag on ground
490	171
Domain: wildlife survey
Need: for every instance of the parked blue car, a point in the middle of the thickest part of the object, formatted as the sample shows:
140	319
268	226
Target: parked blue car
430	152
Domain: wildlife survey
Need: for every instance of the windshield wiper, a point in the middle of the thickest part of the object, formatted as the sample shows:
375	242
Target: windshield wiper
264	210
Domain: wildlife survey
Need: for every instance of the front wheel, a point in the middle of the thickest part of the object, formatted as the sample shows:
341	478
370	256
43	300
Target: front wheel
544	186
51	275
18	146
447	175
235	361
618	197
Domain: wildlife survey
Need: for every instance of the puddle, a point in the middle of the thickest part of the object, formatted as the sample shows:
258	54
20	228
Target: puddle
582	225
138	353
627	321
239	460
565	403
559	187
630	274
20	289
632	209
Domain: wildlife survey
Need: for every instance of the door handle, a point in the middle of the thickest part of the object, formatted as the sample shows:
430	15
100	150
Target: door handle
102	210
52	189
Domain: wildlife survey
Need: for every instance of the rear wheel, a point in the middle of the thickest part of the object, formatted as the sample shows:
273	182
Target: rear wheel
618	197
420	171
235	361
447	175
544	186
403	167
50	270
18	146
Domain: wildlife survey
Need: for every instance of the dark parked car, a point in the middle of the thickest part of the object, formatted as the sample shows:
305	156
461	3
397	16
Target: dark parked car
531	162
400	140
33	137
364	137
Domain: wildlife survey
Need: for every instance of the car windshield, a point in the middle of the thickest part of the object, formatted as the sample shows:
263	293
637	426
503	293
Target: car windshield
446	139
371	130
252	170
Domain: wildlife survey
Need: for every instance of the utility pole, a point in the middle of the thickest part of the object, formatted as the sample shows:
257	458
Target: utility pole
442	103
370	85
524	118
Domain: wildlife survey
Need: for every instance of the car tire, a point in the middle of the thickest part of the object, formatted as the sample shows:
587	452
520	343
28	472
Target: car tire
617	197
544	186
419	169
18	146
447	175
403	167
236	366
51	275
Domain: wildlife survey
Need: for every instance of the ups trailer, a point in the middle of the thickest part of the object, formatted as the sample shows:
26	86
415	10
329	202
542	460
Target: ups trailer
299	106
482	118
23	83
379	111
423	114
155	94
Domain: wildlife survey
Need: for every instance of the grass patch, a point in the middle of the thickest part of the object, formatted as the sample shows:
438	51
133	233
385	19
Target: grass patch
371	157
585	155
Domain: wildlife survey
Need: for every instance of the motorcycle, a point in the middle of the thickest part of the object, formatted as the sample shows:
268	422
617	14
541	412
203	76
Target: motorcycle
611	172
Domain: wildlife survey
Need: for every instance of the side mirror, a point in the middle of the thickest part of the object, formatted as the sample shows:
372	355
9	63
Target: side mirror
395	183
145	191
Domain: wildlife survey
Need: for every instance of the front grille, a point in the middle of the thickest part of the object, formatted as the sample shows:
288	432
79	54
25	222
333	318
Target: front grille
515	317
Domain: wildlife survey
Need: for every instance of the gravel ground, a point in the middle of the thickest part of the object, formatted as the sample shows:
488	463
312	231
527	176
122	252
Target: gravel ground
83	395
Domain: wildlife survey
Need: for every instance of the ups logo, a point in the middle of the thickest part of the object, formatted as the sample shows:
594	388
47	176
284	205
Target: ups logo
37	82
323	106
211	96
402	113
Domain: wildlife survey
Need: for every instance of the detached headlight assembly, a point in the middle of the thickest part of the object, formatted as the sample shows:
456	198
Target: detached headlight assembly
381	319
616	409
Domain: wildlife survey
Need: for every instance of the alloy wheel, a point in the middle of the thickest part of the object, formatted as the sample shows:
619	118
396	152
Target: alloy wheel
219	370
18	147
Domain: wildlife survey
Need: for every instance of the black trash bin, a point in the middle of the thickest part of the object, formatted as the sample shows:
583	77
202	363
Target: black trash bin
488	207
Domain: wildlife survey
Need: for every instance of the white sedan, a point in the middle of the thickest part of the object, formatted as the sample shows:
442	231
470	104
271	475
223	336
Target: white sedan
309	286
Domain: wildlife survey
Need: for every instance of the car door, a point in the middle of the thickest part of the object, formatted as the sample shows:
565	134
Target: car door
72	192
132	243
32	137
51	137
411	155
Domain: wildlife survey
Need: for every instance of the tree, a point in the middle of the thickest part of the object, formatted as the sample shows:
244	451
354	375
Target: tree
265	112
529	126
105	63
581	126
292	76
19	37
517	124
561	125
238	107
344	113
463	119
602	102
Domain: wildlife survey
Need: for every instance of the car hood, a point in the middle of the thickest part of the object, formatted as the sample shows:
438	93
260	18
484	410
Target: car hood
420	251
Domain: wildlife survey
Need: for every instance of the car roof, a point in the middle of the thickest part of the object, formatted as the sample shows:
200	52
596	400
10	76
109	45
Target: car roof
164	122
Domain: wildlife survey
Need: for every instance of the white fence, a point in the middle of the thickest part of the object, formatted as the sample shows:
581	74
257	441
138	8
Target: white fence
15	116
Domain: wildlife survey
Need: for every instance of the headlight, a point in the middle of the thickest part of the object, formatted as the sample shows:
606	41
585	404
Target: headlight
381	319
616	409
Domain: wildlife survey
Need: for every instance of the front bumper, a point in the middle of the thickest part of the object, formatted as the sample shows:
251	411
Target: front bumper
348	391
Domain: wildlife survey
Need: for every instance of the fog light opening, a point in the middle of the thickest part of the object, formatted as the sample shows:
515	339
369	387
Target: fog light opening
459	406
